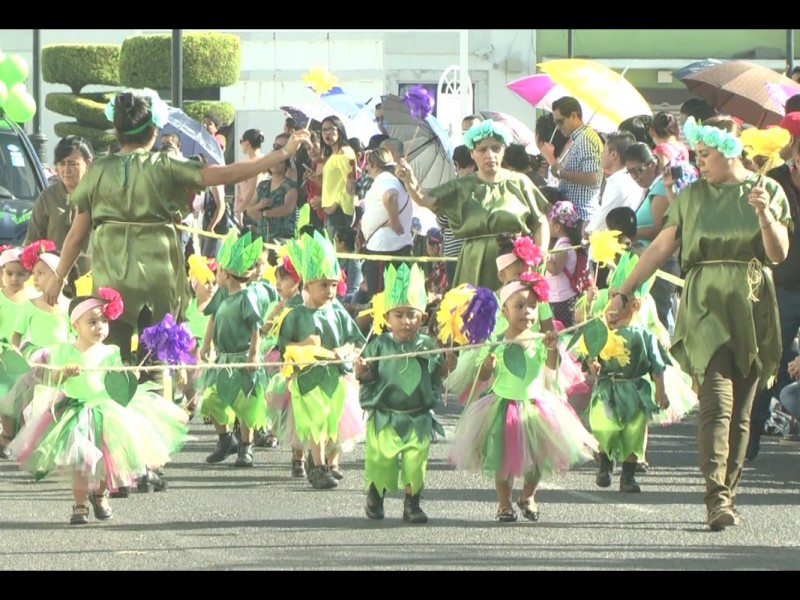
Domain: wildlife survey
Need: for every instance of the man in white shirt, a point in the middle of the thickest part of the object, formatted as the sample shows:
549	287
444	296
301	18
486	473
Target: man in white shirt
618	187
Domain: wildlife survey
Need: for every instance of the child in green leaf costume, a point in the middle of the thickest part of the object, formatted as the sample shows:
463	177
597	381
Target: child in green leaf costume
36	323
321	328
398	395
517	426
104	433
237	311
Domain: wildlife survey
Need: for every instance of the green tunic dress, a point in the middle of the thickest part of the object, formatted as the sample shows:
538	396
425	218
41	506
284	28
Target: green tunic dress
231	393
135	200
623	396
477	211
720	236
398	399
318	392
39	328
8	316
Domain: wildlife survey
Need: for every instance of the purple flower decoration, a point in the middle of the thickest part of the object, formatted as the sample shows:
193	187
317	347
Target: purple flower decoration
169	341
419	101
480	316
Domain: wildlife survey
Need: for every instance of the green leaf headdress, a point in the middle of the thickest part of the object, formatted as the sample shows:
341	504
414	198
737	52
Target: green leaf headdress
239	255
404	286
314	257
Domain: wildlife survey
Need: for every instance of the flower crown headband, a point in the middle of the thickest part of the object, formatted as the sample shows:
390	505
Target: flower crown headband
524	250
159	111
727	143
563	211
532	282
485	129
36	251
109	301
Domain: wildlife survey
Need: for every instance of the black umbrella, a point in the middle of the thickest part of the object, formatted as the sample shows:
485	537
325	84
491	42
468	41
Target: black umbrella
427	145
694	67
195	139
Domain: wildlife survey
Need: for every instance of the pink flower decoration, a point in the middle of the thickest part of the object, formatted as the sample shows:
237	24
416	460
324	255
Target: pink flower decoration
113	308
527	251
341	288
30	253
538	285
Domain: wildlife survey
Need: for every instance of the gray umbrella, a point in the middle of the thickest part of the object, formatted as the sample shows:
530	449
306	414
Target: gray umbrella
427	144
195	139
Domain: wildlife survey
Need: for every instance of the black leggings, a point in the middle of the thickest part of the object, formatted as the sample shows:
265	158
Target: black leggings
373	269
121	334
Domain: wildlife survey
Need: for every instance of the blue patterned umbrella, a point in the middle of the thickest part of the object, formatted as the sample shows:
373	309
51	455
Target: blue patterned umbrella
193	136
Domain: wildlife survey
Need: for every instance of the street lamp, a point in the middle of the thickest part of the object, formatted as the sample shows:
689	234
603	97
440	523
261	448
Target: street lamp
38	139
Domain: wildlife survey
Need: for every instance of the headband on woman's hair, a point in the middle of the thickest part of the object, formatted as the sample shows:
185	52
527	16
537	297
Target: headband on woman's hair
727	143
485	129
159	111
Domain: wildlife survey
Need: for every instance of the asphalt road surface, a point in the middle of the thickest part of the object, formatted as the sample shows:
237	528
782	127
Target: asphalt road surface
217	517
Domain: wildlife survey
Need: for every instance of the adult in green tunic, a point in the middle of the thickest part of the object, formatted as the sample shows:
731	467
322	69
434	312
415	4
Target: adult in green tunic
483	204
132	201
730	224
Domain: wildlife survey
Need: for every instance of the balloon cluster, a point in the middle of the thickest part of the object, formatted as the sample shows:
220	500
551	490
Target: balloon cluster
15	100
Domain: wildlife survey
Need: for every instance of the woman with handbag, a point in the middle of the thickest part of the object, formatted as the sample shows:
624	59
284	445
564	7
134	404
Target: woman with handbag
386	222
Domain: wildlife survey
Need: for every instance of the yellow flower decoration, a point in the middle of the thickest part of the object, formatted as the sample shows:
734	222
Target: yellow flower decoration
199	269
278	321
378	312
604	246
450	314
764	142
303	356
615	348
83	285
269	274
321	80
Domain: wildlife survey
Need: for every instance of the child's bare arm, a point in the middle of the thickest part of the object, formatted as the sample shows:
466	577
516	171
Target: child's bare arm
204	351
551	343
363	372
487	368
661	391
255	343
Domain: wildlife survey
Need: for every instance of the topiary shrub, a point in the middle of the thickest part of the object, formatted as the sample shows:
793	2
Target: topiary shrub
87	109
79	65
198	108
210	59
99	139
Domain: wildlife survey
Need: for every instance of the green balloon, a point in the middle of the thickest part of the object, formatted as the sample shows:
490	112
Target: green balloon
3	93
13	69
19	105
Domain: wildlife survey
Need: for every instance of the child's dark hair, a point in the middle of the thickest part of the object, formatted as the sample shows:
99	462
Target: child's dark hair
281	272
505	243
574	233
622	219
347	235
306	229
69	290
551	193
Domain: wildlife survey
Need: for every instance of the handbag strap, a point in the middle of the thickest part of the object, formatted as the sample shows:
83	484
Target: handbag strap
385	223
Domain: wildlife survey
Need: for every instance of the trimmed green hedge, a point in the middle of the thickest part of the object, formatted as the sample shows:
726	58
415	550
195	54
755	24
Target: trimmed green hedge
98	138
210	59
197	108
84	108
79	65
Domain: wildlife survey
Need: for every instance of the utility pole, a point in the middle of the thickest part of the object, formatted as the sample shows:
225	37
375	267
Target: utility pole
38	139
177	68
789	52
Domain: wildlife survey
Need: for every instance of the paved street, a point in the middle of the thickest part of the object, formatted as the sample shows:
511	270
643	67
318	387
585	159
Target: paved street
220	518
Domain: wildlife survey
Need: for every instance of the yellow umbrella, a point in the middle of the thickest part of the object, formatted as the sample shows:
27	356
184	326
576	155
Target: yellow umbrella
598	87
